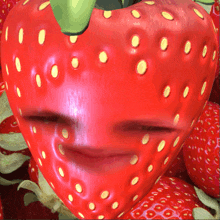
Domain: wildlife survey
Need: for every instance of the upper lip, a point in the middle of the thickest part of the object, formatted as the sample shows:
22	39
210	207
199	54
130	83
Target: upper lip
100	152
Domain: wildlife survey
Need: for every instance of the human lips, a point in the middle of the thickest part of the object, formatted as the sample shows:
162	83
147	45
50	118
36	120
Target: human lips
98	160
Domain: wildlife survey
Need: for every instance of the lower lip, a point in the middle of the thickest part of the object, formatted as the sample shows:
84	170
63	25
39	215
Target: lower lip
99	163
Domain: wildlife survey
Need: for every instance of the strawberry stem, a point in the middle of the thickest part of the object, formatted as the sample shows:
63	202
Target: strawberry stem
73	16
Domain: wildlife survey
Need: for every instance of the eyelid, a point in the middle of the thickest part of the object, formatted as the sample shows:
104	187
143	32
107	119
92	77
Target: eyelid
46	117
138	126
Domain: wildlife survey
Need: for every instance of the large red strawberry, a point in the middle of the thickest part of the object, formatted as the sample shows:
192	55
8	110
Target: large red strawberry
105	113
170	198
5	7
201	151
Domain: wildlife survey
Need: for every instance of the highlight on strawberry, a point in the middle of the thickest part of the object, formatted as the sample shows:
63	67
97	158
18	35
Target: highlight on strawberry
106	97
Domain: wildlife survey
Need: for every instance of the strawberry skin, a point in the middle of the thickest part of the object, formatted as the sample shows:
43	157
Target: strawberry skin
201	151
105	113
170	198
5	7
215	15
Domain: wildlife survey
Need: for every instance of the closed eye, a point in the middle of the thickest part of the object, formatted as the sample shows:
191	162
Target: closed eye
45	117
137	126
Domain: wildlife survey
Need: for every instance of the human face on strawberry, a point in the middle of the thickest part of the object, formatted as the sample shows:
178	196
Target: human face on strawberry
109	112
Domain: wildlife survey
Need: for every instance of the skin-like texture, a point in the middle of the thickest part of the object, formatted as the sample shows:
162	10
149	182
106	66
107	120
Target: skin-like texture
105	113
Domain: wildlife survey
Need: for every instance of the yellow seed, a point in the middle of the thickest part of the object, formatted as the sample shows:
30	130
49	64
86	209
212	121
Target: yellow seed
142	67
91	206
203	88
135	181
41	36
204	52
81	215
18	64
166	92
135	197
214	55
104	194
187	47
186	92
176	141
101	217
134	160
176	119
164	44
78	188
38	80
60	147
115	205
43	154
73	39
52	185
70	197
167	15
75	62
65	133
40	162
44	5
149	2
135	13
18	92
25	2
54	71
61	172
135	41
198	13
6	34
145	139
150	168
107	14
6	68
20	35
161	146
103	57
166	160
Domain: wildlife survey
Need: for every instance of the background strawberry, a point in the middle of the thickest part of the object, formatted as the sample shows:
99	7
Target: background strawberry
5	7
201	151
170	198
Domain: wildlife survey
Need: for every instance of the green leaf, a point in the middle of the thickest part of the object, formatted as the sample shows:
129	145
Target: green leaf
209	2
200	213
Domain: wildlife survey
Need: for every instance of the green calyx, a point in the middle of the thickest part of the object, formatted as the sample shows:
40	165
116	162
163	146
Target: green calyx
73	16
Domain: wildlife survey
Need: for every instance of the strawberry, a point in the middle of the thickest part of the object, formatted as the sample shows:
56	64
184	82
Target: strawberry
2	85
105	113
170	198
215	14
201	151
5	7
177	167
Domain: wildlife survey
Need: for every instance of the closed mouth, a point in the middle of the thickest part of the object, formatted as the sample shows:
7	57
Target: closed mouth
98	160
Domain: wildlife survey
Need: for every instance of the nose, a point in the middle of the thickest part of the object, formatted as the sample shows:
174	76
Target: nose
96	134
